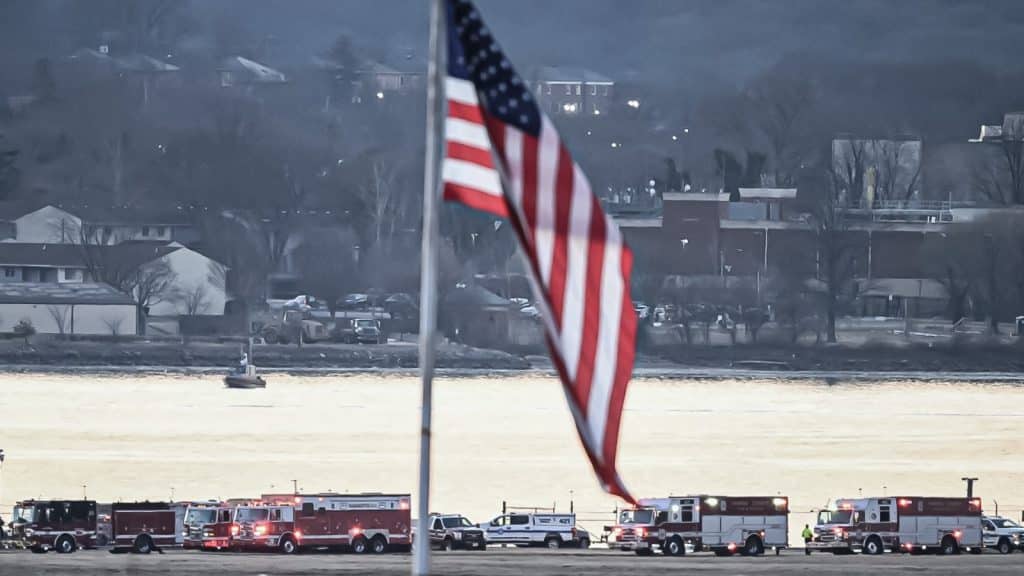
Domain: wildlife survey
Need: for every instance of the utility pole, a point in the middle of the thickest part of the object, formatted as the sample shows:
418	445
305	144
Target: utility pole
970	485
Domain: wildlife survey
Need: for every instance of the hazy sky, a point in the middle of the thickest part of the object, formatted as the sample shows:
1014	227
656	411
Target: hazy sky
691	41
677	38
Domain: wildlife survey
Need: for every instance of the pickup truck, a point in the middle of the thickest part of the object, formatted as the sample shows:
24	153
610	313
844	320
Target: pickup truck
361	331
453	531
1002	534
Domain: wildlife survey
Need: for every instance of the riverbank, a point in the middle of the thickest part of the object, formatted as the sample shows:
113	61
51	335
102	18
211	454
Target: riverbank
54	353
980	362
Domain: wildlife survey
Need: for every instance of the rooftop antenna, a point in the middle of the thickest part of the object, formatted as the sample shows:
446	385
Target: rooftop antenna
84	497
295	487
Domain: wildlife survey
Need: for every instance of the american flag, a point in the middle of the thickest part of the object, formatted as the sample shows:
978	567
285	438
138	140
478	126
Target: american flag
503	156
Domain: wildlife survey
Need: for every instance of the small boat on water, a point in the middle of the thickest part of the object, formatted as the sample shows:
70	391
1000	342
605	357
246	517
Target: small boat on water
245	376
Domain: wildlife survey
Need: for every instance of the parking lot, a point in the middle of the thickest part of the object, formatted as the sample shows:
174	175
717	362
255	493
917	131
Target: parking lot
498	562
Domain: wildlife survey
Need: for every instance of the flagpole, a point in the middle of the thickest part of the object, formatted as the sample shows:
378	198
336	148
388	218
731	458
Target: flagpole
428	274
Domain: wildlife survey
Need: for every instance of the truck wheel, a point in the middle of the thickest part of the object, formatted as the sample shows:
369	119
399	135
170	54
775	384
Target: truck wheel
288	545
143	544
874	547
753	547
553	542
448	545
102	540
65	544
949	546
378	545
359	545
1004	546
584	543
674	547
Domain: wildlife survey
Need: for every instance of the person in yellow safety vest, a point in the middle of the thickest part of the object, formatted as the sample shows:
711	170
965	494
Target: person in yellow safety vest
807	535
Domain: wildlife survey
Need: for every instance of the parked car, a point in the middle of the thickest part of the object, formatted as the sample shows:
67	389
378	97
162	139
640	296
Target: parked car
454	531
1002	534
361	331
353	302
401	305
550	530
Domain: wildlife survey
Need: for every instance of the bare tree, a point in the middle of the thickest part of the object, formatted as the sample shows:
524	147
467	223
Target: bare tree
60	318
999	173
849	159
896	180
114	325
834	248
378	193
779	103
133	270
196	300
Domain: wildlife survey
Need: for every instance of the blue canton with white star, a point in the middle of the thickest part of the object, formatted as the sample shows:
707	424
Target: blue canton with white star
474	54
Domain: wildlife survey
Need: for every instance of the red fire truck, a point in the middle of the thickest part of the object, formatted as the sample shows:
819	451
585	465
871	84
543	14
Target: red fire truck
207	526
61	525
900	524
145	526
360	522
723	524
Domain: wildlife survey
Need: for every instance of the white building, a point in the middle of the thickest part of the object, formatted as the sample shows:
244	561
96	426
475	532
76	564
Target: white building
55	308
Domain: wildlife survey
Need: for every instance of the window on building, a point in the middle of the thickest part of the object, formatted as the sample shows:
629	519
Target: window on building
578	89
593	89
548	89
161	231
605	90
9	273
145	230
72	274
568	90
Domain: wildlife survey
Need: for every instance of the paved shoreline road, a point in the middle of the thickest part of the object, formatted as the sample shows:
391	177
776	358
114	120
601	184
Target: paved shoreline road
498	562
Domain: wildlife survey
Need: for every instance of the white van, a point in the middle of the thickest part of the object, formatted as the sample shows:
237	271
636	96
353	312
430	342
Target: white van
551	530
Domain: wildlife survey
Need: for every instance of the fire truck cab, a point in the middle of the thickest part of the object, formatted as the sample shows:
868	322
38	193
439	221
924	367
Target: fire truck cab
359	522
899	524
61	525
207	526
145	526
722	524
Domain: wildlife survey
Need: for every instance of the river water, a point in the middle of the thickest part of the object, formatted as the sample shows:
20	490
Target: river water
506	438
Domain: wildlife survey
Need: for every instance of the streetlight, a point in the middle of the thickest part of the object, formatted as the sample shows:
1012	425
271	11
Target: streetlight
633	103
380	95
615	144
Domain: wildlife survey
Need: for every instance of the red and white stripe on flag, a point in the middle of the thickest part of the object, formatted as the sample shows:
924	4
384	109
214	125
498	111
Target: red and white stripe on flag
579	262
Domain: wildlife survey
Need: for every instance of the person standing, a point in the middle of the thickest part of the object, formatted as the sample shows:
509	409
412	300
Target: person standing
807	535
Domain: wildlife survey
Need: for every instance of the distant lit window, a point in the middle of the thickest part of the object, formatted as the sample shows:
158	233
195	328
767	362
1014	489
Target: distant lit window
578	88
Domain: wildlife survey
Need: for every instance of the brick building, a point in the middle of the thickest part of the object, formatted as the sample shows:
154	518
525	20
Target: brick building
704	235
